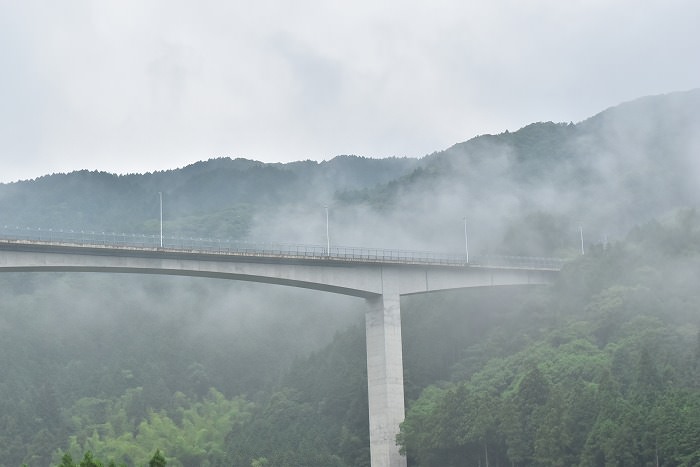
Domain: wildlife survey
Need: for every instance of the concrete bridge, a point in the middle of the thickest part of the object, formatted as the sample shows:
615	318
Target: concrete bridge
379	276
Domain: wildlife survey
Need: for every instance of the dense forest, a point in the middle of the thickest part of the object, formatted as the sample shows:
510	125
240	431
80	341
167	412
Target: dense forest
601	368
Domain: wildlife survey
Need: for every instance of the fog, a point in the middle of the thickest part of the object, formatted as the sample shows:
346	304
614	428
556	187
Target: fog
625	166
621	168
228	326
517	191
532	192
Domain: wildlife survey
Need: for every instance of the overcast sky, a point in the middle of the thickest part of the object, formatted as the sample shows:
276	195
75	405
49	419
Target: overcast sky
136	85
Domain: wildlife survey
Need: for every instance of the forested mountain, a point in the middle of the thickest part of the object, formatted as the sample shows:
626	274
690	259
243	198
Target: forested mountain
603	368
222	193
626	165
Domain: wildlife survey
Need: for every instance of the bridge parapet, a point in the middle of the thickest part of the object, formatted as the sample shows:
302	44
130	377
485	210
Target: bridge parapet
226	247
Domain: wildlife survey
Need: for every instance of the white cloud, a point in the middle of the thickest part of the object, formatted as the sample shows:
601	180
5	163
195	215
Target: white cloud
128	86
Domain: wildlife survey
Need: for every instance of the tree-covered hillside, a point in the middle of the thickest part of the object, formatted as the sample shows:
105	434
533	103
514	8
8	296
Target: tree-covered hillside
602	368
607	373
216	198
629	164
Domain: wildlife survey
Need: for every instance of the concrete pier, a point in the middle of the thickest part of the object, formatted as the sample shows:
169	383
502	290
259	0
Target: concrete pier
385	374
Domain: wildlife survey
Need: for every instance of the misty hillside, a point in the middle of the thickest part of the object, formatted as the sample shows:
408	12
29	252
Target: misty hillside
602	368
626	165
218	188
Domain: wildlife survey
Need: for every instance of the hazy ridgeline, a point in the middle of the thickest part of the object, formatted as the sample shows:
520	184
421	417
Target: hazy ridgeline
101	361
528	191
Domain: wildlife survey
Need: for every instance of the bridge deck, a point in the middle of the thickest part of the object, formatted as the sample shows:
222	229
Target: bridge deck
123	245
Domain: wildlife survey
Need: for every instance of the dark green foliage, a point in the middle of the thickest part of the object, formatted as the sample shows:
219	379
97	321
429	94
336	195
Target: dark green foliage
66	461
157	460
318	417
90	461
285	432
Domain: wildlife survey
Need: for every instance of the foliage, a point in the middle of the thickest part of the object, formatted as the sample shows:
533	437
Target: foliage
609	383
89	460
193	435
318	415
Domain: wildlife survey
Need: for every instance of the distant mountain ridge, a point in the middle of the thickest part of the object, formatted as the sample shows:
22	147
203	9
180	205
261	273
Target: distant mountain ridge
620	167
99	200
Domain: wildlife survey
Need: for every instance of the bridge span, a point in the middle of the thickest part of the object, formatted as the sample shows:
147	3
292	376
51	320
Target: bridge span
381	277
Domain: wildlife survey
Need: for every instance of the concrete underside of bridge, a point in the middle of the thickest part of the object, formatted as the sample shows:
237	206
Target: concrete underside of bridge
381	284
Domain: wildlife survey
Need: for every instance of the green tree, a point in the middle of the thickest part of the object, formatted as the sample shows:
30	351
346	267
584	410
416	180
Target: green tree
198	439
157	460
66	461
676	421
89	461
522	414
418	436
285	431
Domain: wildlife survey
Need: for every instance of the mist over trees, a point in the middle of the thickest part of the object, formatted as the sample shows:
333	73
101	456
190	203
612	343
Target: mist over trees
602	368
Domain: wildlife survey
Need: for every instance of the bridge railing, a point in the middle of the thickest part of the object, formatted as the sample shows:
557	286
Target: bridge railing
231	247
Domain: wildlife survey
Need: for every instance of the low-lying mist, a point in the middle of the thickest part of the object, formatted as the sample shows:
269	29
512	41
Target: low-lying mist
226	327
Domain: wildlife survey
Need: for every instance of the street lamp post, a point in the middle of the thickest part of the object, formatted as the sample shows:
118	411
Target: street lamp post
160	196
328	235
466	240
580	228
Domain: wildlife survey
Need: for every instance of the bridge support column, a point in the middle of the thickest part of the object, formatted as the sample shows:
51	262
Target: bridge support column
384	378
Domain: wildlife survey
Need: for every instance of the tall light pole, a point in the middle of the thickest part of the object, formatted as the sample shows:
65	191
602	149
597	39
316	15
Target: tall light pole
466	239
328	234
160	196
580	228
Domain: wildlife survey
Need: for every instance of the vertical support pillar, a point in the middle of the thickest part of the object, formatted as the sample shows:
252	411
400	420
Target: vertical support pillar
385	376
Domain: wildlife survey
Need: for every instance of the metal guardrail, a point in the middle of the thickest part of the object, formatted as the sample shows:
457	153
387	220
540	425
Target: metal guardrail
281	250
